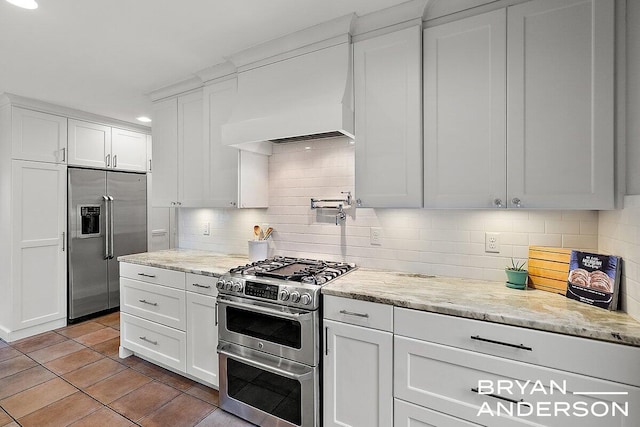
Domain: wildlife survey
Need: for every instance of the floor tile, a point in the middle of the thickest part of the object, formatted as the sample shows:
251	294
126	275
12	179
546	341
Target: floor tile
36	342
55	351
116	386
183	411
3	343
12	424
73	361
144	401
97	337
103	417
93	372
8	353
205	393
24	380
15	365
150	370
111	320
220	418
37	397
109	348
62	412
131	361
177	381
80	329
4	418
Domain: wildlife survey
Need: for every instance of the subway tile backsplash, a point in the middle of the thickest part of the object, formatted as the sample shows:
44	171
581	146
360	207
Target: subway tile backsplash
441	242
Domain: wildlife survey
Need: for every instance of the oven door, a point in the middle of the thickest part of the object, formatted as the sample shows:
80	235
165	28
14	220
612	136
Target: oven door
267	390
275	329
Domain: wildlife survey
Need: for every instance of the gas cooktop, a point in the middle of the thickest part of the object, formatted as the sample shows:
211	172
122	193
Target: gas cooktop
302	270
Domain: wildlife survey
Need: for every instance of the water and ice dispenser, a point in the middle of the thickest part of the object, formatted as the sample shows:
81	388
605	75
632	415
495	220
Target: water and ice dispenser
89	221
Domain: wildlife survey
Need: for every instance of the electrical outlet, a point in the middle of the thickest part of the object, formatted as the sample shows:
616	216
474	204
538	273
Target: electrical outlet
206	229
375	236
492	242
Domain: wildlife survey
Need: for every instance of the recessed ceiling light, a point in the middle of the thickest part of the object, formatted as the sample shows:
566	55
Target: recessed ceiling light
307	148
144	119
25	4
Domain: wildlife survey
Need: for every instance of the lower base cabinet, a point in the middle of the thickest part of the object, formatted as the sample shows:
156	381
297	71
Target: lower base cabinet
409	415
202	338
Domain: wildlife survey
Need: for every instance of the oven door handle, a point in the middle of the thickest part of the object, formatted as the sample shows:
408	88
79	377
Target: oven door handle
263	310
266	366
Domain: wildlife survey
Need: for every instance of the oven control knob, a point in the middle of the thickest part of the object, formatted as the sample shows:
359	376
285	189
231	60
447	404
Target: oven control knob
295	296
228	285
305	299
220	284
237	287
284	294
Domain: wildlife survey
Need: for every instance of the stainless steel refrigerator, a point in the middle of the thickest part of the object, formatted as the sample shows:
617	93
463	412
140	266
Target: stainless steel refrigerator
107	218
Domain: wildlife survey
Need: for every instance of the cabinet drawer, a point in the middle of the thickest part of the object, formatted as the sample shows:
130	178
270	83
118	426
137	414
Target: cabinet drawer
159	276
356	312
156	342
442	378
205	285
408	415
527	345
153	302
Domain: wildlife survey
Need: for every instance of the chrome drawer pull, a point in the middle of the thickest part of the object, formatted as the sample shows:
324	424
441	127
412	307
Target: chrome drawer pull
520	346
144	301
197	285
146	275
149	341
351	313
497	396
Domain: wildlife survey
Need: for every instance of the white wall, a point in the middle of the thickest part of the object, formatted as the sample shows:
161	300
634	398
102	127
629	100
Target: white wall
619	234
633	97
442	242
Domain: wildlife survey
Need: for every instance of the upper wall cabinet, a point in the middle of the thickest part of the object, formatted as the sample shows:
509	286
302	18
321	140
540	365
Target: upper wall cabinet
558	111
560	104
388	117
165	153
465	112
191	150
100	146
38	136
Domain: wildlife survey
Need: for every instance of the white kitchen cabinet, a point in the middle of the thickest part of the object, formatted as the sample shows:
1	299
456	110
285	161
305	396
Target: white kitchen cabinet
165	153
388	120
409	415
128	150
555	101
89	144
358	361
202	336
560	108
36	282
191	150
465	112
38	136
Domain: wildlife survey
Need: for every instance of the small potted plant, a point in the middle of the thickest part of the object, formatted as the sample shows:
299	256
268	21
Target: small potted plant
517	275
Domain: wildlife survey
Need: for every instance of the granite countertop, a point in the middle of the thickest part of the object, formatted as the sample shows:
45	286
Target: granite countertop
489	301
188	260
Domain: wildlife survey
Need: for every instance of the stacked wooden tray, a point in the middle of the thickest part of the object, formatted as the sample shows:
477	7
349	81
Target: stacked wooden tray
549	268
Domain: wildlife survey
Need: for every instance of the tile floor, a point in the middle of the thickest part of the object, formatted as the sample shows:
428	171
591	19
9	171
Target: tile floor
74	377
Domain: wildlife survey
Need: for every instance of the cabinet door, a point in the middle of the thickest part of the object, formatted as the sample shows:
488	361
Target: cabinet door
222	168
38	136
254	180
165	153
191	152
129	150
560	107
358	382
408	415
39	200
202	338
89	144
465	112
388	118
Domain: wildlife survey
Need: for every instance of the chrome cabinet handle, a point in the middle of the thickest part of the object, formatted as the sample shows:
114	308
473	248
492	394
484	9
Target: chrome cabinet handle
149	165
216	315
198	285
497	396
148	340
115	161
516	202
520	346
351	313
64	154
144	301
326	340
63	239
108	160
146	275
497	203
107	230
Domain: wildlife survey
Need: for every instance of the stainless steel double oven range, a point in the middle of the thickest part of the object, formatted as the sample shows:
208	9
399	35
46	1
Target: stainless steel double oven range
269	339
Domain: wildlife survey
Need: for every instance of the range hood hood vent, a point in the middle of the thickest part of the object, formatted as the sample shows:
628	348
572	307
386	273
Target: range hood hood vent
308	96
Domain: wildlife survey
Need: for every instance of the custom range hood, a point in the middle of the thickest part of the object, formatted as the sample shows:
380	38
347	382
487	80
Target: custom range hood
304	93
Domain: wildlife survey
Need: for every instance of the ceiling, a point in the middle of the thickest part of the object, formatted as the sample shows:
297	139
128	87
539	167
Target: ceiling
103	56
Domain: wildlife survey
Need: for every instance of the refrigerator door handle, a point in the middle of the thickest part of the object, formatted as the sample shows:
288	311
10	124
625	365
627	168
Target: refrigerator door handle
110	226
107	224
